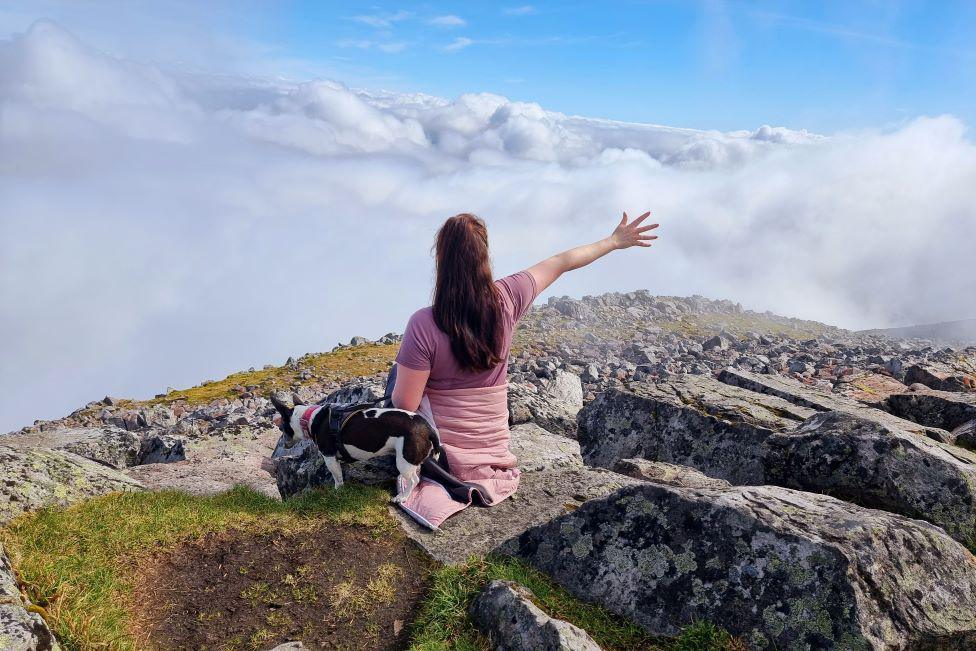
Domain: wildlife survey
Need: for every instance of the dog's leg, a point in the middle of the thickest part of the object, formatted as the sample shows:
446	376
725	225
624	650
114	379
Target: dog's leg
409	474
333	465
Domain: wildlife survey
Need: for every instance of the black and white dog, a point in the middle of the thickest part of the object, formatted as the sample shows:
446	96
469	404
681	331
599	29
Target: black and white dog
364	434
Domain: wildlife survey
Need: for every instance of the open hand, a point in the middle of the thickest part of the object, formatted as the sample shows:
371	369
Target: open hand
631	234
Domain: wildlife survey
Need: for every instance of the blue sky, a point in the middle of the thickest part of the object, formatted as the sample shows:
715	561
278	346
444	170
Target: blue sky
822	66
190	200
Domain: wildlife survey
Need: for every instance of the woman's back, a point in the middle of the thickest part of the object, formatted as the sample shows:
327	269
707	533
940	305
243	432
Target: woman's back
427	348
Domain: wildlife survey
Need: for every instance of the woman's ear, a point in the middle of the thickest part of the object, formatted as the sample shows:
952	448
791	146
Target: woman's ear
283	409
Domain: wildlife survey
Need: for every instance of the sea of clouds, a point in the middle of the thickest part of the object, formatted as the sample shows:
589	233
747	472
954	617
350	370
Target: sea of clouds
159	227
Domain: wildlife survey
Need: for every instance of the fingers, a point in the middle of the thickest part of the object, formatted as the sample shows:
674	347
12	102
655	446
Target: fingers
646	245
647	228
623	222
637	221
642	238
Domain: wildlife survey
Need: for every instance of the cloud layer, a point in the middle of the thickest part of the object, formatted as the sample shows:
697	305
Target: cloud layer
159	227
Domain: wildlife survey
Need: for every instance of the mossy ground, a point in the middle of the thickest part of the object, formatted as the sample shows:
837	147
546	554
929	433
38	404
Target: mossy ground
337	366
80	564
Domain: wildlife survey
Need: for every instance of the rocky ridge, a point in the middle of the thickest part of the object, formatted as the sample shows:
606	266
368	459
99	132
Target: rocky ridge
687	411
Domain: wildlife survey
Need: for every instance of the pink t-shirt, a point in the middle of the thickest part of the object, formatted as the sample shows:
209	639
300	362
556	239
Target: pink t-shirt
426	347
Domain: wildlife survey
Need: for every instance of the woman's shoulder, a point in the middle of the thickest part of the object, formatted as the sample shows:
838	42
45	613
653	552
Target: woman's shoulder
422	320
518	290
424	314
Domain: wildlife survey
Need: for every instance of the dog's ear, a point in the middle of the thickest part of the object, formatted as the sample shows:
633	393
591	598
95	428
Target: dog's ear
283	408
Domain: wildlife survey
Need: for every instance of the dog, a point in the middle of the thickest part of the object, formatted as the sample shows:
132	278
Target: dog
364	434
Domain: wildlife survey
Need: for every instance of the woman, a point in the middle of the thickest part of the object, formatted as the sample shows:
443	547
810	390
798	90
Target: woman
452	365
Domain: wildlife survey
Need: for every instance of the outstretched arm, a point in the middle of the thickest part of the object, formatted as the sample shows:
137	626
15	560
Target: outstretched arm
624	236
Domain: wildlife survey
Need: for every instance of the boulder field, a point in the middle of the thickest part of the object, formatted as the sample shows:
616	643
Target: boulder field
682	459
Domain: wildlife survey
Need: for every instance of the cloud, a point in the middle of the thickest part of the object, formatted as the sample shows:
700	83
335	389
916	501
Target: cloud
448	21
390	47
523	10
382	20
459	43
160	228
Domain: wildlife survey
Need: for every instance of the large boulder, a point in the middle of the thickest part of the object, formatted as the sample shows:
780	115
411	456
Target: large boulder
693	421
744	438
554	481
553	407
21	626
106	444
940	378
161	448
780	568
110	445
32	478
942	409
821	400
862	461
506	615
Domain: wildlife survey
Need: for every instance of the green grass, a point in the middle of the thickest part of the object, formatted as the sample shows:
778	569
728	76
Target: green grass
77	563
444	624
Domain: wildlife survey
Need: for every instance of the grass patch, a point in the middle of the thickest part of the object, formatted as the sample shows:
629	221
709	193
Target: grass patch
444	623
77	562
338	366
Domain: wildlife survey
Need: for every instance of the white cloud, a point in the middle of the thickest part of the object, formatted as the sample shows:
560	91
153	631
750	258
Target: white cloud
159	228
448	21
459	43
523	10
382	20
390	47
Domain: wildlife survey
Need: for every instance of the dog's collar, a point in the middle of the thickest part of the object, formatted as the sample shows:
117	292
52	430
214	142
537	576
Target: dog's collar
305	421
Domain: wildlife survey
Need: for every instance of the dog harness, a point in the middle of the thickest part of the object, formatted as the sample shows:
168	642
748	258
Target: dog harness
336	418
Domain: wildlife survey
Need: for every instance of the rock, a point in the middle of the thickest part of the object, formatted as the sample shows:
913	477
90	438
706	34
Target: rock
32	478
161	448
553	482
300	469
869	388
780	568
21	627
358	341
572	308
800	366
940	379
538	450
110	445
355	392
940	409
591	373
693	421
965	435
554	407
290	646
862	461
801	394
566	390
718	342
667	473
506	615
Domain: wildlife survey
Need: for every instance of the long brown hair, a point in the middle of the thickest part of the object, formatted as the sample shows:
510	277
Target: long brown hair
467	306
